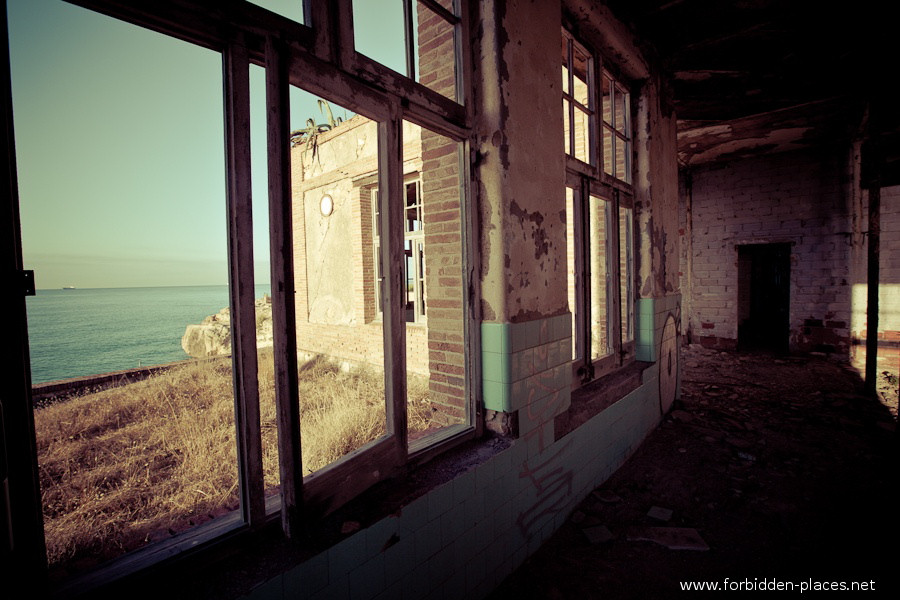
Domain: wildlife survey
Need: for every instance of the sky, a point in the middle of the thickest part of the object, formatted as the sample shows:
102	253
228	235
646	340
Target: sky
120	151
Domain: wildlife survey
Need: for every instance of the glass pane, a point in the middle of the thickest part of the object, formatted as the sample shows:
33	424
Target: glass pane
435	50
606	98
127	236
379	32
626	277
565	63
567	122
623	170
435	355
413	207
410	279
580	65
609	150
572	276
336	255
621	104
582	135
292	9
599	261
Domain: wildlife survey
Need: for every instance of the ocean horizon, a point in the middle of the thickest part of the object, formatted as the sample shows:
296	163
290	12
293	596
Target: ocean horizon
79	332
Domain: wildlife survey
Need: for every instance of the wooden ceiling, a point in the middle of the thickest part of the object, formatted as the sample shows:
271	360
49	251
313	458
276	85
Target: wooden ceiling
755	76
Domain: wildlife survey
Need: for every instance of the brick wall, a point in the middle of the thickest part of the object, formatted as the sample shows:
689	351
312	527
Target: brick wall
794	198
441	202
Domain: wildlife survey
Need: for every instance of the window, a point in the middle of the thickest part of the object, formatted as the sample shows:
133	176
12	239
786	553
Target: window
578	100
375	192
413	251
616	128
416	38
599	212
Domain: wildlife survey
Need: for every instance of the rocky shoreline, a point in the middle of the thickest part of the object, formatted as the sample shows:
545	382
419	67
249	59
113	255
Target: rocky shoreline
212	337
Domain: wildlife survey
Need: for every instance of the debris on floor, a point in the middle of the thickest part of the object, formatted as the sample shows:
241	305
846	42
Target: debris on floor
673	538
783	463
598	534
660	514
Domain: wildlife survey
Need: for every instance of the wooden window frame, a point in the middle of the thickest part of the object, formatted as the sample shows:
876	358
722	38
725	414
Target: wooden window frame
574	105
592	180
316	58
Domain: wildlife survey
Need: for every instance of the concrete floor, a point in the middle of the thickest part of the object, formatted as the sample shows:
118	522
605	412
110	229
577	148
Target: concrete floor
779	464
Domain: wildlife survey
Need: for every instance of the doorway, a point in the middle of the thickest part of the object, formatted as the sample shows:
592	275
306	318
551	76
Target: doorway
764	272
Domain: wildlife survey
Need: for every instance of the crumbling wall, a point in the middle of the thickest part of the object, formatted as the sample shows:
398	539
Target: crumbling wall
796	198
520	166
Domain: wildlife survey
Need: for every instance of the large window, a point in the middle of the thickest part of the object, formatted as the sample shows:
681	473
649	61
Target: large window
599	211
342	194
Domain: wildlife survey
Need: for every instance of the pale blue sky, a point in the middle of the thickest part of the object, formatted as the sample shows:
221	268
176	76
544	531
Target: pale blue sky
119	143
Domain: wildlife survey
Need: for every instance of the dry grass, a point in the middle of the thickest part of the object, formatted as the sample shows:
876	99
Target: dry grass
131	465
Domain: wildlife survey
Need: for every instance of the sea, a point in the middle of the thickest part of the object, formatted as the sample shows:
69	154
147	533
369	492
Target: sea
80	332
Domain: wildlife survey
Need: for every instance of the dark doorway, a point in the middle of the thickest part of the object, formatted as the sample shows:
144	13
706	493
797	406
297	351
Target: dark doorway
764	280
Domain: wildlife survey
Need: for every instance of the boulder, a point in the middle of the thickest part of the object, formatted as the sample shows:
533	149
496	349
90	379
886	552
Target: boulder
212	337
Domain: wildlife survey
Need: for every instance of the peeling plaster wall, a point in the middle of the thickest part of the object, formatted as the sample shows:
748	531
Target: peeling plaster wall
520	161
656	196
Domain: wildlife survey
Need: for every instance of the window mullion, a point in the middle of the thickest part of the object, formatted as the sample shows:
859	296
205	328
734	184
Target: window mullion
282	277
390	183
409	30
615	270
241	282
571	93
583	266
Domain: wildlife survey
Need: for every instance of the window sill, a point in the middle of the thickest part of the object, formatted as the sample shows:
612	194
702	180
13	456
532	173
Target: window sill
592	398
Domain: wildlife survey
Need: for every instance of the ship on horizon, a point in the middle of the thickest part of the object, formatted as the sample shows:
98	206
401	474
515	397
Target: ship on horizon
68	287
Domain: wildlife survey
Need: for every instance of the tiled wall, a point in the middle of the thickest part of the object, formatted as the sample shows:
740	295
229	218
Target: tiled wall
526	367
651	315
462	539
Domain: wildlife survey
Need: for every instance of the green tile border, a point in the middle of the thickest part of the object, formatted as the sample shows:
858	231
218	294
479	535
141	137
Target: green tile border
517	356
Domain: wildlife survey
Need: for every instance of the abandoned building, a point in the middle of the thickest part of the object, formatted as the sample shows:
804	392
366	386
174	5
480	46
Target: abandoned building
534	243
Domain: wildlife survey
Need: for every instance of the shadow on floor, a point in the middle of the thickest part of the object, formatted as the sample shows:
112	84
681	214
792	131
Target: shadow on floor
781	466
